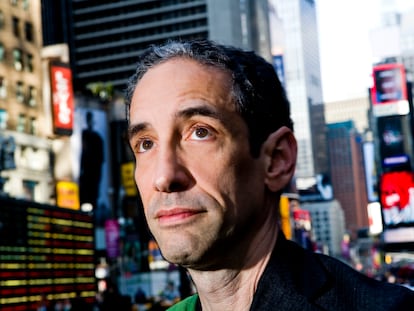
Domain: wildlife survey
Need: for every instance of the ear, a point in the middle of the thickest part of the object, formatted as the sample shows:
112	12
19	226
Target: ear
280	150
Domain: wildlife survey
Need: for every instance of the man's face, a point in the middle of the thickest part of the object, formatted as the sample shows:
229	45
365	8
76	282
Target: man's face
201	189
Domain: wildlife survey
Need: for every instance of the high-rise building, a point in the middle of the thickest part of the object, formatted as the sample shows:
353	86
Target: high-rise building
24	144
328	224
302	78
407	42
347	173
106	36
355	109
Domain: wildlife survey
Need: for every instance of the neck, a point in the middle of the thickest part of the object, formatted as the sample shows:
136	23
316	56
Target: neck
231	289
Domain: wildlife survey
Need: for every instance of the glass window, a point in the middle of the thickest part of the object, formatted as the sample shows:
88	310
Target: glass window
19	91
26	4
29	187
2	52
3	119
17	59
21	123
16	29
33	126
3	88
29	62
32	96
14	2
28	30
2	21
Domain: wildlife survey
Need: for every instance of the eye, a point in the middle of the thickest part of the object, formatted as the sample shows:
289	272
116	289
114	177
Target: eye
144	145
201	133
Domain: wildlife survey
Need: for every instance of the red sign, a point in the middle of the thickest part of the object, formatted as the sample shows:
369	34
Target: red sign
62	98
397	197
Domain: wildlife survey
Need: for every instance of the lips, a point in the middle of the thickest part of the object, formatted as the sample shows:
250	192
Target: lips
175	216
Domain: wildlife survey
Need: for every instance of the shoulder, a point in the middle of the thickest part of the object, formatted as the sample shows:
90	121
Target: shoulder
323	281
366	293
188	304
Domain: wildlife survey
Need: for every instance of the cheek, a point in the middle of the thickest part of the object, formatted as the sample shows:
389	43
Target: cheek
142	180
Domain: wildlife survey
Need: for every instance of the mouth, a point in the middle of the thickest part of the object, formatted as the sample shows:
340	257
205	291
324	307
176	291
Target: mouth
176	216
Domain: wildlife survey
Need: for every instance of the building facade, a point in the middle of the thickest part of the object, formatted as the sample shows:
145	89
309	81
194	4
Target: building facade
25	147
302	76
347	174
105	37
355	109
328	224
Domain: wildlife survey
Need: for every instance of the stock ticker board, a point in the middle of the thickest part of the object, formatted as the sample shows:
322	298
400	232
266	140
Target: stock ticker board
44	250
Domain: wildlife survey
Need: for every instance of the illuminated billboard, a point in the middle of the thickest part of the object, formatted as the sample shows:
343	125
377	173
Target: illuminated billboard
44	250
370	171
90	158
67	194
397	197
389	93
397	203
394	134
62	98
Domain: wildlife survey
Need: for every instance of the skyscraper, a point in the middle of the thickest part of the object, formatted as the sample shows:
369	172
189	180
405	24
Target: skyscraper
347	173
302	78
106	36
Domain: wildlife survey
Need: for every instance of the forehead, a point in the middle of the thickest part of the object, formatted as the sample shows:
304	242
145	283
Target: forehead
182	80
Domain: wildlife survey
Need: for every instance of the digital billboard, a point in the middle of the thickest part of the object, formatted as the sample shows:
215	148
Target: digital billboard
91	161
389	93
397	197
370	171
44	250
62	98
393	134
397	204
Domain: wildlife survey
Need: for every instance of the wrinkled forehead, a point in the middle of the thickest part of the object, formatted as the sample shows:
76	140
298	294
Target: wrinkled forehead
181	81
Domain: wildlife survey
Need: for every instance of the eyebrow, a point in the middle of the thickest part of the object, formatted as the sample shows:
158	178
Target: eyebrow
205	111
135	129
186	113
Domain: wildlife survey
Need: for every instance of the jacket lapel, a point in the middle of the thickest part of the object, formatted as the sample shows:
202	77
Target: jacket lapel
292	280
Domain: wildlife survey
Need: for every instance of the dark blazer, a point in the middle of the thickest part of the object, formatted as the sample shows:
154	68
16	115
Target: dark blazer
297	279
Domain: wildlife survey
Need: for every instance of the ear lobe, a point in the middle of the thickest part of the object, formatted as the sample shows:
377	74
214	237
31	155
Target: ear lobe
280	150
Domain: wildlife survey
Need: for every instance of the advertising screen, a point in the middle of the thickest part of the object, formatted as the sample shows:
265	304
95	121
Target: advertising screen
389	93
44	250
370	171
397	198
397	204
393	136
90	158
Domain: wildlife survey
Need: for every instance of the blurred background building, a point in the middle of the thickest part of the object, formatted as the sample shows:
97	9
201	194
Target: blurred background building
63	68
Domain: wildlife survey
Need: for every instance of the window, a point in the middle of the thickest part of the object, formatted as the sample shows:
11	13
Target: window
2	21
16	29
19	91
26	4
32	96
17	59
3	88
21	123
3	119
2	52
29	62
14	2
33	126
29	187
28	30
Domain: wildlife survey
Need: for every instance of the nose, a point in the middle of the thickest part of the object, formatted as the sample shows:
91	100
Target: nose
171	175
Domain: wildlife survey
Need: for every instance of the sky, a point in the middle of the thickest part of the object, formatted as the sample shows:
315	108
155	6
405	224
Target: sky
345	49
